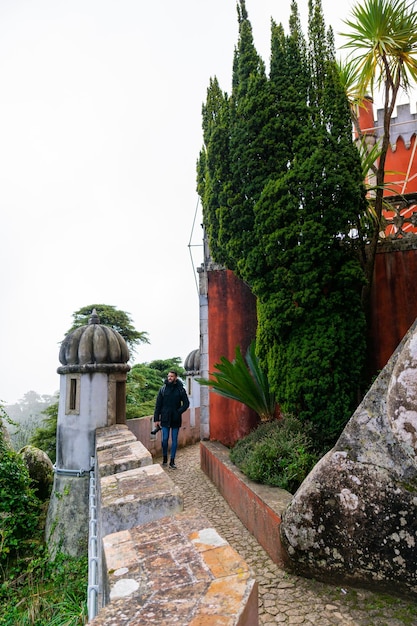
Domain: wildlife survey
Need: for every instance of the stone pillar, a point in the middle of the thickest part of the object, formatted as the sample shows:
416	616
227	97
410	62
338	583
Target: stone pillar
204	371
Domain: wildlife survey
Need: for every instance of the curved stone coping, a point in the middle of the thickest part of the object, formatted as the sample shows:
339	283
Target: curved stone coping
137	496
123	457
259	507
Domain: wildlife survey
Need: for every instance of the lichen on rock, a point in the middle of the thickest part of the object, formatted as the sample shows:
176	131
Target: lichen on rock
354	519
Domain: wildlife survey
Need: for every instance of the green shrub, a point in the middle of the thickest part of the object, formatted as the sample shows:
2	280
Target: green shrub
20	509
46	592
34	590
44	436
278	453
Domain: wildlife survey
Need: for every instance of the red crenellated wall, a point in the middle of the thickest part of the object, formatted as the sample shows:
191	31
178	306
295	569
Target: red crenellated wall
401	161
394	295
232	322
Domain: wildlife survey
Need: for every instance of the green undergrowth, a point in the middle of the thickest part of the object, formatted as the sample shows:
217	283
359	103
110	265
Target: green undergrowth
44	592
34	590
382	609
278	453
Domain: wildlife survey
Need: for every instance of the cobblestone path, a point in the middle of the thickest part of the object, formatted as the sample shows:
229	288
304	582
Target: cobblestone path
284	598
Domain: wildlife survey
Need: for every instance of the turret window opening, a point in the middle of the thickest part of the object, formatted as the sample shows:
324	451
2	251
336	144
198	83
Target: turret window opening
72	405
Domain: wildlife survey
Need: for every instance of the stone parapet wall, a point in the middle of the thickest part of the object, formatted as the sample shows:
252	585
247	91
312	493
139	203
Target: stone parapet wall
258	507
118	450
176	571
189	432
135	497
157	563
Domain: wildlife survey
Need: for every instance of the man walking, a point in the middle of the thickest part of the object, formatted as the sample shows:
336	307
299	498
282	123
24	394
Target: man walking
171	402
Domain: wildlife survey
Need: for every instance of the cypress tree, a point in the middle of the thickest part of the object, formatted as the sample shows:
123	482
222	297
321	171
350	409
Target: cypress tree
213	171
291	196
251	147
311	323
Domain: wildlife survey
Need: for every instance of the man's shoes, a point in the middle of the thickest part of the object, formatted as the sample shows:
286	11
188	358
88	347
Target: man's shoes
172	464
165	461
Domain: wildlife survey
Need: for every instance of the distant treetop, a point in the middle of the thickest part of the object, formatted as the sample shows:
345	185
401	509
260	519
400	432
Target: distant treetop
114	318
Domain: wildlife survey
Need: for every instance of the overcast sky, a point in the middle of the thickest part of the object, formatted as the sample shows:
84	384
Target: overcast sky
100	130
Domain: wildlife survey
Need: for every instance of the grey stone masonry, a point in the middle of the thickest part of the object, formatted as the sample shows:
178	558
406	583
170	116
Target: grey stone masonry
122	457
111	436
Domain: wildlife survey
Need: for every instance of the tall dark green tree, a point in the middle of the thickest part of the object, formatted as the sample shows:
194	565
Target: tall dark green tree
314	331
213	173
296	195
246	133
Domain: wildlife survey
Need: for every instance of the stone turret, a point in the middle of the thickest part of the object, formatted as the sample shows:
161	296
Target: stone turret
92	391
93	374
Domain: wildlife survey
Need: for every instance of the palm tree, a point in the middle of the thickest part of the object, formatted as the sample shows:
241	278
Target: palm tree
244	382
383	40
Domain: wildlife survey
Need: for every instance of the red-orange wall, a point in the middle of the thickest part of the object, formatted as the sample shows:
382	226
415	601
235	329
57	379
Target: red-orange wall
394	300
401	162
231	322
401	168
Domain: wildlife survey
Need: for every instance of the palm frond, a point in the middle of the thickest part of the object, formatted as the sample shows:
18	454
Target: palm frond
383	38
244	381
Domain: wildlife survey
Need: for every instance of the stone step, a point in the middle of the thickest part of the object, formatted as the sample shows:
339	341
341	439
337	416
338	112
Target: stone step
135	497
109	436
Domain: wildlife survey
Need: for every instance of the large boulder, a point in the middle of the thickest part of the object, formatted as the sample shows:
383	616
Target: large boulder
354	518
41	470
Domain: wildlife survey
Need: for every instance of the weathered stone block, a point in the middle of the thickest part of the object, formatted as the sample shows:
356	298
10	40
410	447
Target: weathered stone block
136	497
123	457
176	570
113	436
66	528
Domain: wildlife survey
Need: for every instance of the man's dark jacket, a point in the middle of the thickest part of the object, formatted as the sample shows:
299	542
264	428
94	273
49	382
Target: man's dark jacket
171	402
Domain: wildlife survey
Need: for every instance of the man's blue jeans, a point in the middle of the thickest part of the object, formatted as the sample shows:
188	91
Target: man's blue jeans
174	441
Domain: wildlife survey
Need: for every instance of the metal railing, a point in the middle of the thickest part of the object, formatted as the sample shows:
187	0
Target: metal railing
93	573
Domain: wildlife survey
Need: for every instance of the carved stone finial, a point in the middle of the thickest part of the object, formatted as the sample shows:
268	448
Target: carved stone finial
94	319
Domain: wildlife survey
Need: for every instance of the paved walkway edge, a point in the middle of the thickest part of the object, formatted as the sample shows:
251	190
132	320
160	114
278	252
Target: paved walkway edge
258	507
